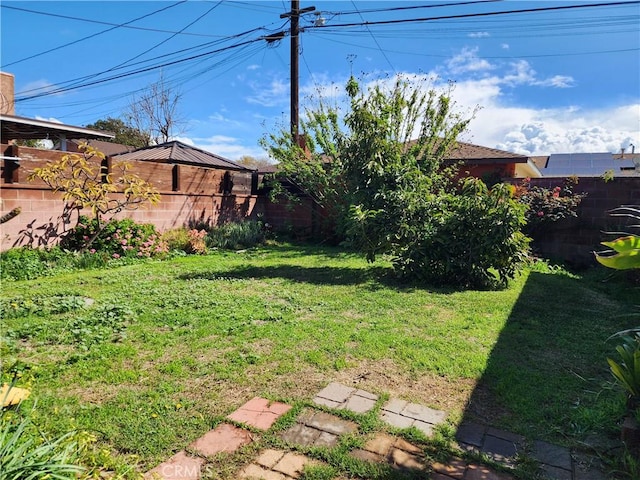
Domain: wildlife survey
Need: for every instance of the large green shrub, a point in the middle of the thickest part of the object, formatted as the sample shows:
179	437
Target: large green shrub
471	238
379	172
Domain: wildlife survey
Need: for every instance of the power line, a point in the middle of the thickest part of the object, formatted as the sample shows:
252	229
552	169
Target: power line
98	22
93	35
135	72
122	64
412	7
471	15
71	82
172	36
375	39
496	57
519	28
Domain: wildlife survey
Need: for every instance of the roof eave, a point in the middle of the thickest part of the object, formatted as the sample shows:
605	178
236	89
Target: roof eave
57	128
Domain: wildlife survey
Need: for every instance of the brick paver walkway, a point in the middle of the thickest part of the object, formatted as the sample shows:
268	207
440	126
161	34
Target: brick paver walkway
317	428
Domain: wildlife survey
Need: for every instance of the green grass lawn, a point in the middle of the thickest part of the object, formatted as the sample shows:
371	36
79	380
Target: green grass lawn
151	356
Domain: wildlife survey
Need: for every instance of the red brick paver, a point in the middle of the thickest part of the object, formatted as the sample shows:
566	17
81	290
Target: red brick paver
179	467
224	438
259	413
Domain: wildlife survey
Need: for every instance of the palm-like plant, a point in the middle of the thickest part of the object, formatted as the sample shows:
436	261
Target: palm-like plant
26	454
627	369
625	250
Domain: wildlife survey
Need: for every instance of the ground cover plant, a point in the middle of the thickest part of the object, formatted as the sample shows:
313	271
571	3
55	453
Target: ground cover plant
148	357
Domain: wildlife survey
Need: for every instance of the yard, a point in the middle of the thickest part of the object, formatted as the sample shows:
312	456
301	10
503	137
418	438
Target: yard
150	356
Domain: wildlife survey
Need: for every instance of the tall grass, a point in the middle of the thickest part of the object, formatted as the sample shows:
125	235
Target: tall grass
236	235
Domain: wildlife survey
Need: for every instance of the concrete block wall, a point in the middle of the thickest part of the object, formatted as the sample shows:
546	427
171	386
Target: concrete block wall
43	219
575	239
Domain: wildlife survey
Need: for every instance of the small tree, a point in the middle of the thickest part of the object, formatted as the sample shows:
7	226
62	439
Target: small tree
84	184
387	139
124	133
253	162
380	175
155	112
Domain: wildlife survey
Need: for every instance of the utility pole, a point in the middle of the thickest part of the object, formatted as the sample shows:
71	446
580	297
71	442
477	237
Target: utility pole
294	14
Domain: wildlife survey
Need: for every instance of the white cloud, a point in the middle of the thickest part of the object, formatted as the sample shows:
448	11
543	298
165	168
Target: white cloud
557	81
37	87
570	131
253	67
50	119
502	123
479	35
220	118
271	94
468	61
504	46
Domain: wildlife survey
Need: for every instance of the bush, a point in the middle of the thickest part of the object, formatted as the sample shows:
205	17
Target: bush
237	235
545	206
118	238
176	239
197	243
462	238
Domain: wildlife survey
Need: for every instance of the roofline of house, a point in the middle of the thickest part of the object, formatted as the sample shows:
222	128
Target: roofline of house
61	127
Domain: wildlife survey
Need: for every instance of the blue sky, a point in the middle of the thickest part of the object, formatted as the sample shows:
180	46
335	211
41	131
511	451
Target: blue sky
557	81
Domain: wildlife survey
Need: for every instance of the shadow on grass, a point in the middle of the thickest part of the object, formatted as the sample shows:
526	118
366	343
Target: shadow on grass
373	277
313	275
546	377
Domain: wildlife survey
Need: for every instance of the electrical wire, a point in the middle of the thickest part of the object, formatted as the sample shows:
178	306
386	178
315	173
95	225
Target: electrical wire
376	40
143	62
493	57
91	36
499	31
213	63
141	70
412	7
98	22
472	15
122	64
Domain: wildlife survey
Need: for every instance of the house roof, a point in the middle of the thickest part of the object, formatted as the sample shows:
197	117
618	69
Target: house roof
108	148
178	152
22	128
588	165
474	154
470	153
540	161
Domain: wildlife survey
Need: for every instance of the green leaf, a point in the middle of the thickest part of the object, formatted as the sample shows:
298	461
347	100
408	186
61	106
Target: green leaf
624	244
621	261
